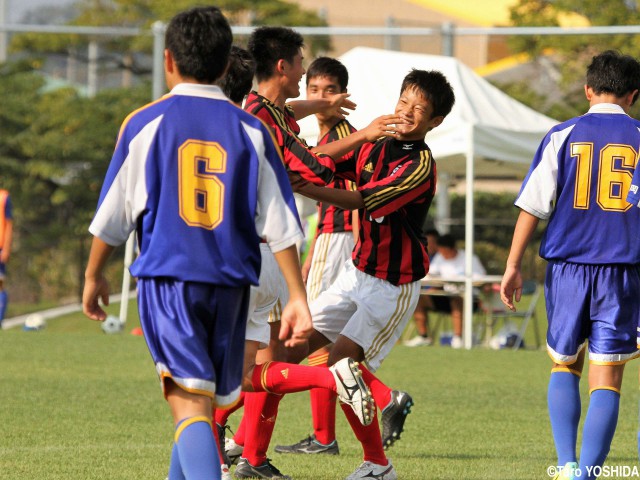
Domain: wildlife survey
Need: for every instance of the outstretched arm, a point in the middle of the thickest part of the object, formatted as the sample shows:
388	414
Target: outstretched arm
512	278
334	106
296	318
95	285
384	126
346	199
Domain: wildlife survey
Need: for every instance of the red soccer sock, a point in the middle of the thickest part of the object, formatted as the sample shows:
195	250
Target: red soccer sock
379	391
281	378
221	416
240	431
260	413
369	436
323	406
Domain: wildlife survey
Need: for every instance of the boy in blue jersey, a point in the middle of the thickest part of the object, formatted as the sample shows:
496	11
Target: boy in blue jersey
202	182
578	181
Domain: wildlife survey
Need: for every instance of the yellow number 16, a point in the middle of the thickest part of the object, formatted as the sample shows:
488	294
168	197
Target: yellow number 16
201	192
614	176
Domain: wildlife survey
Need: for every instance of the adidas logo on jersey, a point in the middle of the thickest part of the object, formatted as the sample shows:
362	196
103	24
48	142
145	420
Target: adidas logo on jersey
368	167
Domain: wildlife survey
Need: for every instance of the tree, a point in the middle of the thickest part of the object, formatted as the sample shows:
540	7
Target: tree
55	147
143	13
570	54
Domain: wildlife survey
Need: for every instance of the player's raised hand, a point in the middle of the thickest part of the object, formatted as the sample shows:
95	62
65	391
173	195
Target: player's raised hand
383	126
95	288
511	285
339	105
296	326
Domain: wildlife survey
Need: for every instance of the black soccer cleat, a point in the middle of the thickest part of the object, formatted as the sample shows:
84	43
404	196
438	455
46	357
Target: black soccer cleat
266	470
394	416
221	430
310	446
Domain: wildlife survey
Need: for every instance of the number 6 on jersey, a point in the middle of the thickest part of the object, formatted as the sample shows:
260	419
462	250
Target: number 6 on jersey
201	192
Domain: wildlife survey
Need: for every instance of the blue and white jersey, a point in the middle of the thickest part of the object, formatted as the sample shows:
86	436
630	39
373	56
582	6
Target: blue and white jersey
634	191
202	182
579	181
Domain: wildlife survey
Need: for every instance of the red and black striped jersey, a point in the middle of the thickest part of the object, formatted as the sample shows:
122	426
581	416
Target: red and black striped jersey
333	219
316	168
397	181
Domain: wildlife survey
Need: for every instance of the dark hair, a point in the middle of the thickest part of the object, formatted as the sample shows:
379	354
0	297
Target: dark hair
433	232
434	86
329	67
447	241
614	73
237	81
199	40
267	45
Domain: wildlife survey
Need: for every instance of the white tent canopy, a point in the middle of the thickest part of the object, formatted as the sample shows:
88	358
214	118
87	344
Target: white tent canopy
487	133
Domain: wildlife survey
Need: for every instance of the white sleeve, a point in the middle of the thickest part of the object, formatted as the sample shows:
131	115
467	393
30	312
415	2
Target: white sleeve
477	268
126	195
276	219
538	193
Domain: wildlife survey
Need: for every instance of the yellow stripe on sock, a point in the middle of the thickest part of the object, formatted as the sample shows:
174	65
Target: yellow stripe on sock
316	360
613	389
263	376
567	370
189	421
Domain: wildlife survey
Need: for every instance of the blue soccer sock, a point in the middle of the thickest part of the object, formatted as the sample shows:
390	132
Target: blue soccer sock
197	450
175	469
599	427
4	301
563	399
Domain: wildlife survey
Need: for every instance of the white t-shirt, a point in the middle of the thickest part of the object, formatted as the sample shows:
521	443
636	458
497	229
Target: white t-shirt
454	267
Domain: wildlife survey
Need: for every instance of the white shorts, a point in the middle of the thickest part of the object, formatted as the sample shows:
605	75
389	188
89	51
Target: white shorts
330	253
267	299
368	310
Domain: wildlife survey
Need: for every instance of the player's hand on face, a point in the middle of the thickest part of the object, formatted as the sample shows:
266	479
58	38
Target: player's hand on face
383	126
511	284
94	289
296	326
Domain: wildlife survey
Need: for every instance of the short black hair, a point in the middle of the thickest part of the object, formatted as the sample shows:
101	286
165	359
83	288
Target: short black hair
433	85
329	67
433	232
199	41
237	81
267	45
447	240
614	73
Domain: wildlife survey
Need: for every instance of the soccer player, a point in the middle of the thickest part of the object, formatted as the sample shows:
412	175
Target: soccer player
201	181
578	181
278	55
330	249
365	310
6	237
264	300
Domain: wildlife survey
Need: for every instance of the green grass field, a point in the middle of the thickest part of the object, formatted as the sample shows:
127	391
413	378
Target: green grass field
76	404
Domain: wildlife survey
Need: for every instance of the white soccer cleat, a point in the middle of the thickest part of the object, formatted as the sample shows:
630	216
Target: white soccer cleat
374	471
225	472
352	390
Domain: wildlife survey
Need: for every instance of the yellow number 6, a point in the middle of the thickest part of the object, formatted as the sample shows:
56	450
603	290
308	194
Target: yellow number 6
201	191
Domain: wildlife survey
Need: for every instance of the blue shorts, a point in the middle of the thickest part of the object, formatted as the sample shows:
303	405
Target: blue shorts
195	333
598	303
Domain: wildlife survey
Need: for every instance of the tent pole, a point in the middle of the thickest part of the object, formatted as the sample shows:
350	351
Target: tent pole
443	204
468	245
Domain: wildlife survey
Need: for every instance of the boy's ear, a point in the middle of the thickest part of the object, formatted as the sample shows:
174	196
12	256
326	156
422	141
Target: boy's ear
436	121
281	67
169	62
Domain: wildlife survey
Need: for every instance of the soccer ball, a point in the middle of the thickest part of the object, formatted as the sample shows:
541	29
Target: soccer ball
34	322
112	324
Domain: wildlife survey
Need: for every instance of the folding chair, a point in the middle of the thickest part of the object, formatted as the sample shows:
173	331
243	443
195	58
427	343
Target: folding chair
529	287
